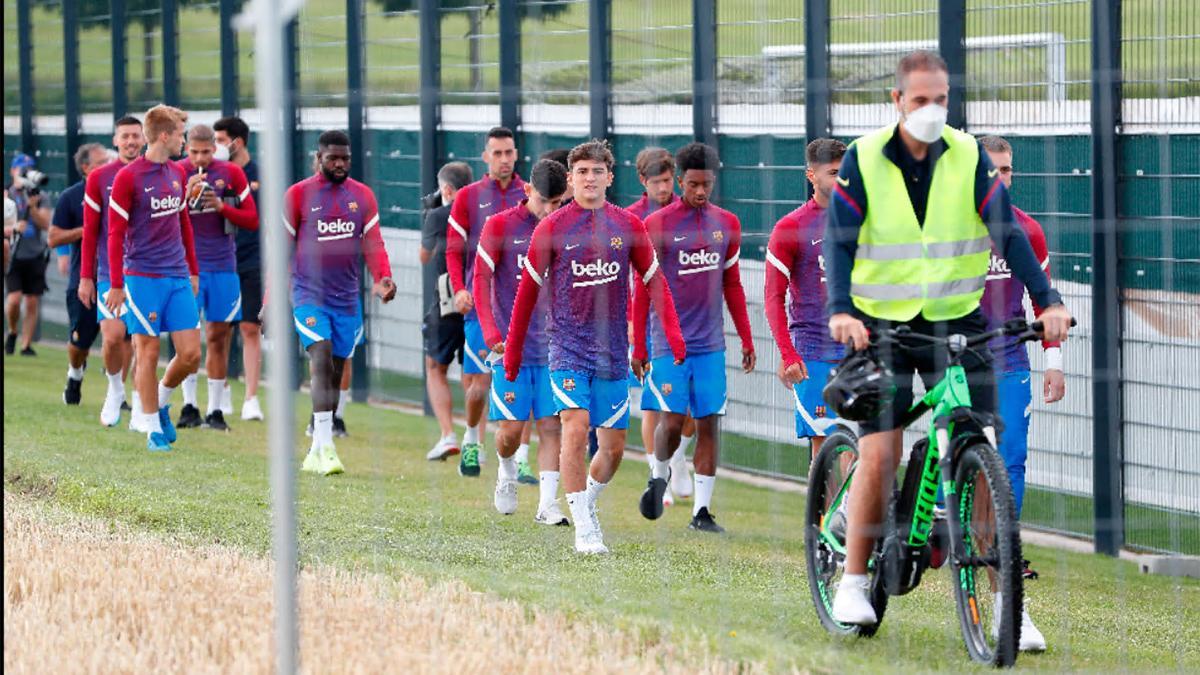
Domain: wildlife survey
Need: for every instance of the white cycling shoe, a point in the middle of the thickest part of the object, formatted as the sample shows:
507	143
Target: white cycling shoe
852	604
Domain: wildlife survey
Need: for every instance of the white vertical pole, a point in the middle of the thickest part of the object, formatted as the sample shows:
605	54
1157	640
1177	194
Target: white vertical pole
268	21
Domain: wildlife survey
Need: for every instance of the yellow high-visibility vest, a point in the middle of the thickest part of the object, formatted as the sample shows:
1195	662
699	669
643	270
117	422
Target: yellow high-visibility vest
902	269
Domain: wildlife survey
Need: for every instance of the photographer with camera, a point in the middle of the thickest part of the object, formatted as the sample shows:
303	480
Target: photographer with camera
26	272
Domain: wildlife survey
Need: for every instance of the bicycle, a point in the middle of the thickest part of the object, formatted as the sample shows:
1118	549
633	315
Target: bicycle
981	530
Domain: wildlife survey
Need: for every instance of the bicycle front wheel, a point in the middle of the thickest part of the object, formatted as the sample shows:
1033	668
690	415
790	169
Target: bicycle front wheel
987	560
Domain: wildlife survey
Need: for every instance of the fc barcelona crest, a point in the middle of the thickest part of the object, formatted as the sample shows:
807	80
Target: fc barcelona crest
616	242
353	206
718	236
667	389
310	321
510	397
220	183
569	383
153	316
821	411
175	184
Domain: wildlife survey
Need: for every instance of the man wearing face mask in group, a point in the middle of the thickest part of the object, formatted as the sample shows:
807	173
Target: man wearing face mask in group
916	208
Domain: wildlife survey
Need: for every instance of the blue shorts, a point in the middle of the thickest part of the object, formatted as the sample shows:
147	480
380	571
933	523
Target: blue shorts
102	313
475	348
698	385
1015	403
220	296
812	416
529	397
607	401
315	323
160	305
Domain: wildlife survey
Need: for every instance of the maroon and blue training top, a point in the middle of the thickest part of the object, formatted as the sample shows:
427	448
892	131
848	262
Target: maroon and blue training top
644	206
336	226
582	258
796	265
96	193
698	249
500	260
473	205
216	249
149	232
1004	298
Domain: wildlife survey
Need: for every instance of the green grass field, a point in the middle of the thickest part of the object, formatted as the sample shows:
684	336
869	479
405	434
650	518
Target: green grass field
559	43
743	593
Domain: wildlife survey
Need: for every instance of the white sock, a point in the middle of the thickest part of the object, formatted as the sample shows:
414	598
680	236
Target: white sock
227	396
577	503
508	467
164	393
115	383
522	453
547	488
343	399
594	488
190	384
704	490
660	468
471	435
853	580
216	390
150	421
74	373
449	438
323	428
137	402
685	442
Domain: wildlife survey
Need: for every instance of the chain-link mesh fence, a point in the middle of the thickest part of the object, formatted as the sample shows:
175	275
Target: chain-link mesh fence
200	56
143	50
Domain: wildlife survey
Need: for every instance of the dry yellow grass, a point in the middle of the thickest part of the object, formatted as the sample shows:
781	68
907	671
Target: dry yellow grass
83	596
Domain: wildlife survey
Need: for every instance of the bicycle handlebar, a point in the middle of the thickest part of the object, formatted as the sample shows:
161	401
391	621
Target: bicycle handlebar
1024	332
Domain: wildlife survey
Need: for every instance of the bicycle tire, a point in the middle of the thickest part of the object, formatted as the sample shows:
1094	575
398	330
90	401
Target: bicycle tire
823	564
993	642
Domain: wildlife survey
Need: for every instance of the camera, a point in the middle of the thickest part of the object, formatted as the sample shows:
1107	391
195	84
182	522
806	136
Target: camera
432	200
32	181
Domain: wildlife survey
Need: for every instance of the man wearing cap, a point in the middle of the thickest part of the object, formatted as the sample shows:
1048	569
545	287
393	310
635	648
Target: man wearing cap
26	275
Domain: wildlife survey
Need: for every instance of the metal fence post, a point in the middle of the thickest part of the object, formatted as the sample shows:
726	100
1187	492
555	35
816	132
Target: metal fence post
952	35
170	51
704	71
510	68
25	61
291	95
229	57
120	84
1107	415
430	19
818	122
360	383
600	68
71	89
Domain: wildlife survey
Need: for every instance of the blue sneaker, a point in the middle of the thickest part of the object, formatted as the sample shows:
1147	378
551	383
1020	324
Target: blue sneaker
156	442
164	419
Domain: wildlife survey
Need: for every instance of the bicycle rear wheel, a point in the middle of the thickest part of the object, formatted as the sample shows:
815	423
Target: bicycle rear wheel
829	478
987	560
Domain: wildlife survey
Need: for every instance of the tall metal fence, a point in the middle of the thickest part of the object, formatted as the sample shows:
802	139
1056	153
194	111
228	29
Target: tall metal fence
1100	99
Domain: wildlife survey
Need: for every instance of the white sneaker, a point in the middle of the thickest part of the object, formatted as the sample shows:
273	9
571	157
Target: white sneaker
442	449
589	541
852	605
1031	640
227	400
137	423
681	478
506	496
251	410
551	514
668	498
110	413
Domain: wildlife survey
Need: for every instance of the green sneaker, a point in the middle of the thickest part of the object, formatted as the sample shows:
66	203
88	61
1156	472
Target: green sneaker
331	462
525	474
312	462
468	463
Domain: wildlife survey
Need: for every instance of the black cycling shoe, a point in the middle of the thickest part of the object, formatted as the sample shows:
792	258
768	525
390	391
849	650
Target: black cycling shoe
28	351
189	417
10	343
73	394
339	427
703	522
216	420
651	504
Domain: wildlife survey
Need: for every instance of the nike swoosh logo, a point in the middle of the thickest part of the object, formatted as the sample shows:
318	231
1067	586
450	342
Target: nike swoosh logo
484	206
817	241
1025	381
518	241
146	190
315	208
843	182
993	172
571	246
681	238
617	405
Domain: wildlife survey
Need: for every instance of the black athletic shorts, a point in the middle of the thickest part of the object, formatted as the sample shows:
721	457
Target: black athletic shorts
444	337
85	328
27	276
252	294
929	362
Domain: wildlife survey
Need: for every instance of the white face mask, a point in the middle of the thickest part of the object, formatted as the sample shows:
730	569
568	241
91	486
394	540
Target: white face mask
221	152
926	124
